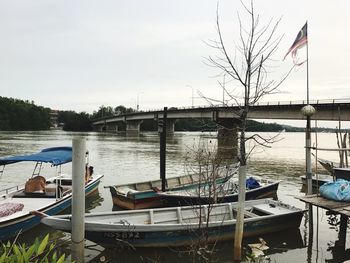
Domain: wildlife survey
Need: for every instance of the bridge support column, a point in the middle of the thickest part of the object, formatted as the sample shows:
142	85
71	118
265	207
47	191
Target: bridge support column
228	138
98	128
170	126
133	126
111	127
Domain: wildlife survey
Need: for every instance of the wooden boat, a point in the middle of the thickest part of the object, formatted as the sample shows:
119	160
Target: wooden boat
327	164
182	226
316	182
50	196
144	194
227	192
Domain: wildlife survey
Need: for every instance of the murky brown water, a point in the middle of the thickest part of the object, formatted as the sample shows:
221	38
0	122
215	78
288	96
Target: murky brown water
124	159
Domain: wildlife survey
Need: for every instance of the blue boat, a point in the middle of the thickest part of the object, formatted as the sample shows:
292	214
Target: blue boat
49	196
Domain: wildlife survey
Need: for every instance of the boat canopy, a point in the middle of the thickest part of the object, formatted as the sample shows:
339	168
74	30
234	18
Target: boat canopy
54	155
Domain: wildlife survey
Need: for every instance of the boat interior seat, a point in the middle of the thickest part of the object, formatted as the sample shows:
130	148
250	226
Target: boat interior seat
143	186
34	195
173	182
185	180
247	213
157	184
51	188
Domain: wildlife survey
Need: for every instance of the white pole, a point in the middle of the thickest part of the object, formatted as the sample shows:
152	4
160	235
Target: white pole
240	214
78	199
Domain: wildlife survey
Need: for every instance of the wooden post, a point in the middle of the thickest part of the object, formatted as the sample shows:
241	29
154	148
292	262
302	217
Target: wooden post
240	214
78	199
162	140
342	232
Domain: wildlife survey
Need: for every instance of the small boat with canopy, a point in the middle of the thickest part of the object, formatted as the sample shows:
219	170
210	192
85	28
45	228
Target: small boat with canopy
48	195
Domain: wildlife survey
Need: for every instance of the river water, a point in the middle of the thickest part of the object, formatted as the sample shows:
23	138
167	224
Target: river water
125	159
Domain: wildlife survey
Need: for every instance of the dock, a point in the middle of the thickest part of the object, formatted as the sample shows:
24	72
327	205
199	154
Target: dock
342	208
336	207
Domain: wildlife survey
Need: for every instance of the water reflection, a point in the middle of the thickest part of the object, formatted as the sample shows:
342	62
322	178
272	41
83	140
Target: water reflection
278	242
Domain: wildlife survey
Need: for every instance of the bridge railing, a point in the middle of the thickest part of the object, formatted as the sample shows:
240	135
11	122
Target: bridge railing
268	103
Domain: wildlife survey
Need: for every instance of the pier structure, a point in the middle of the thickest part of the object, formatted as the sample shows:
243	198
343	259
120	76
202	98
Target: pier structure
334	207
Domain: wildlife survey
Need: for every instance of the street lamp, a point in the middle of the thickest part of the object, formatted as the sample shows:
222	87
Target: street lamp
192	93
137	102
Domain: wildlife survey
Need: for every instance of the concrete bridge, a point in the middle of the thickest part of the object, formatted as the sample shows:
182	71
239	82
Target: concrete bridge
331	110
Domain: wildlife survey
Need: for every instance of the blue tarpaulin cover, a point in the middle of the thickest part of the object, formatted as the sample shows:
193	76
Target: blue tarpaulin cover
54	155
252	183
338	190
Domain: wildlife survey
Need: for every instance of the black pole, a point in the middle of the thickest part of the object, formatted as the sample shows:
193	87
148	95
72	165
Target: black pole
162	130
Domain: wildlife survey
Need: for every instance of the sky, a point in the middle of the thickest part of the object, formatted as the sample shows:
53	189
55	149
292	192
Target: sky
79	55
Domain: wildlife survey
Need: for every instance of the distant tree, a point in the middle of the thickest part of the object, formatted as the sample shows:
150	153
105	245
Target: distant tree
75	121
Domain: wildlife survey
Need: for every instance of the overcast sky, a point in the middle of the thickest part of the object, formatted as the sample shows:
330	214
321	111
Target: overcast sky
79	55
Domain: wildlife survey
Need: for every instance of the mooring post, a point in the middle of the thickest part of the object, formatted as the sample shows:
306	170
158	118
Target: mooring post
162	132
342	232
78	199
237	249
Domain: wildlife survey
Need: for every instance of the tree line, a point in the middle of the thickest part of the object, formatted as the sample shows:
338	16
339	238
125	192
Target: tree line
19	115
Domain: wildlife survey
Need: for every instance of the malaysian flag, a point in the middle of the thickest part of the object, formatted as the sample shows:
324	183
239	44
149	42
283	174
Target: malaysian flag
299	42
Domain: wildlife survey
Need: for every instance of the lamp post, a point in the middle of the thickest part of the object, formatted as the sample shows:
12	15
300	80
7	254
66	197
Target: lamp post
192	93
137	101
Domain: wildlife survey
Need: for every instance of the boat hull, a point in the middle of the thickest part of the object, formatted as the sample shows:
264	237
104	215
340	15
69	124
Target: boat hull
182	226
147	198
181	238
15	226
315	183
257	193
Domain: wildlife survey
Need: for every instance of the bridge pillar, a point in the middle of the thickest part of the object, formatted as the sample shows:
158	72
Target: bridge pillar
111	127
100	127
170	125
228	138
133	126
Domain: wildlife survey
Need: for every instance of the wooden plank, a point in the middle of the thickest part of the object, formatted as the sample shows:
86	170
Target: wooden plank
334	206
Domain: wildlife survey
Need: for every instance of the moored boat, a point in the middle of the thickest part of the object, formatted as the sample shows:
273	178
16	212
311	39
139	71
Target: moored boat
256	188
182	226
49	196
321	179
144	194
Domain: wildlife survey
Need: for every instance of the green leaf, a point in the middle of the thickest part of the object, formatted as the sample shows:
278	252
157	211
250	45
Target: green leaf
61	259
3	256
16	250
43	244
31	251
54	257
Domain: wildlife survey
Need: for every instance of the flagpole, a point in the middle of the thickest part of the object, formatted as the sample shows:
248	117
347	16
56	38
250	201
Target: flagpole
308	111
307	72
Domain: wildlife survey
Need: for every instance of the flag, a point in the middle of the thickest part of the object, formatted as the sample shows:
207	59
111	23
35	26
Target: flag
299	42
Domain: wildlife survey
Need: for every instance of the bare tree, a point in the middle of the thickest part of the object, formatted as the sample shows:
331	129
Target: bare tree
204	161
249	67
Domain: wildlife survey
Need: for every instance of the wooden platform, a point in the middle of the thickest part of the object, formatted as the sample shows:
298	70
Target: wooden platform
342	208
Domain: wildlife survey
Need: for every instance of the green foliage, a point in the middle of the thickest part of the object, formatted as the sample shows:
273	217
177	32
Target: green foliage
75	121
40	252
23	115
104	111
